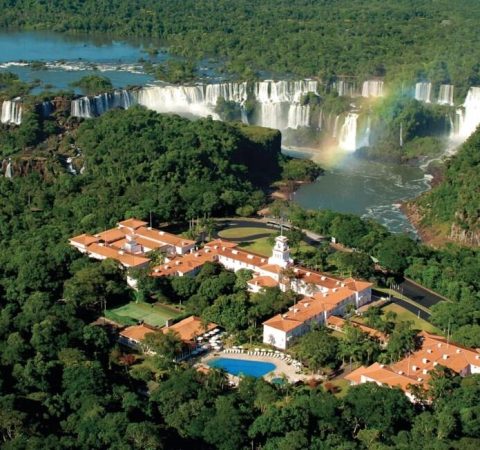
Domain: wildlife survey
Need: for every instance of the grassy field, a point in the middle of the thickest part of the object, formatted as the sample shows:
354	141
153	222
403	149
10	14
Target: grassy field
152	314
404	315
261	246
243	232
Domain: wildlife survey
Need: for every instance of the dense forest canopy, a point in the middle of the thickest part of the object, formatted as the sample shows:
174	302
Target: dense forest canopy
403	39
455	203
67	384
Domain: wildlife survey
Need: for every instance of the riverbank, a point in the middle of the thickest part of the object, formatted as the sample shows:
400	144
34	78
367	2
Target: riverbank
435	236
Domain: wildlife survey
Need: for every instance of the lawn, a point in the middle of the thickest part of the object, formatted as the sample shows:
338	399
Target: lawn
261	246
152	314
243	232
264	247
404	315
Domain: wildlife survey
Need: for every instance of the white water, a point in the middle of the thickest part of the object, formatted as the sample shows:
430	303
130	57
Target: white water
88	107
8	170
348	133
12	111
278	101
298	116
445	95
469	118
364	140
423	92
346	88
372	88
335	126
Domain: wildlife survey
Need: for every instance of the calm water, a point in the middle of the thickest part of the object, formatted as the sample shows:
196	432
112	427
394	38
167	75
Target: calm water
370	189
243	366
70	57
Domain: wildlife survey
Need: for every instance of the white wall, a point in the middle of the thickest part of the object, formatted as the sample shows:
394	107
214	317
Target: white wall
272	336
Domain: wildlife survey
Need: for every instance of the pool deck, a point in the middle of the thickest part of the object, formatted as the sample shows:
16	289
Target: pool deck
282	368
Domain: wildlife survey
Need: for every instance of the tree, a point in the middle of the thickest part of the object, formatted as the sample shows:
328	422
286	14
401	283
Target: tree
468	335
319	349
226	415
358	346
392	411
395	251
166	345
354	264
402	340
93	84
229	311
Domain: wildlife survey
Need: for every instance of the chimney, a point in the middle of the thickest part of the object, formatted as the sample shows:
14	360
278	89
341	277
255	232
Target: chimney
445	356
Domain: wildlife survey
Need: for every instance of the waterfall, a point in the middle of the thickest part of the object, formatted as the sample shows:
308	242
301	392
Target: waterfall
70	167
244	115
364	140
423	92
12	111
279	102
401	135
9	170
272	116
372	88
348	133
320	119
345	88
445	96
298	116
283	91
335	126
470	118
88	107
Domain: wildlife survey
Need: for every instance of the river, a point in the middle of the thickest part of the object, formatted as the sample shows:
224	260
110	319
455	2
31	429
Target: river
369	189
70	57
354	185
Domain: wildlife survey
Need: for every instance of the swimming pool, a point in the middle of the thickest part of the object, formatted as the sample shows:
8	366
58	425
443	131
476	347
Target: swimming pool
243	366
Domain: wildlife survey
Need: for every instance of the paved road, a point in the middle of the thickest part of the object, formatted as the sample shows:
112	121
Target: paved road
419	294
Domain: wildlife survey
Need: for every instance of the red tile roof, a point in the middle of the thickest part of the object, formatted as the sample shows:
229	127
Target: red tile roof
84	239
132	223
125	258
416	367
137	332
188	329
